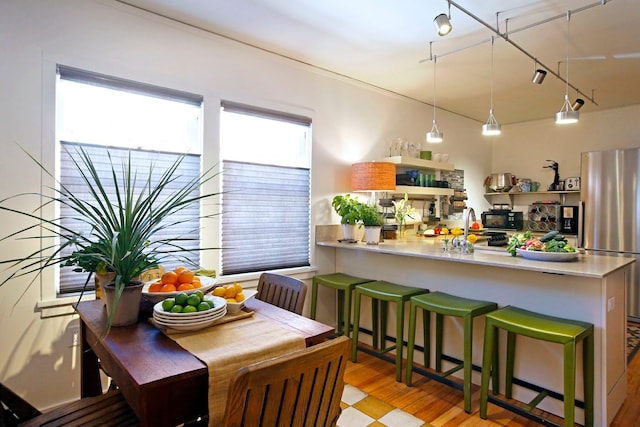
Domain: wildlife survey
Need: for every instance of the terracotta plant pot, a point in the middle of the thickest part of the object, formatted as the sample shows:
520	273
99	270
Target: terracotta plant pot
128	307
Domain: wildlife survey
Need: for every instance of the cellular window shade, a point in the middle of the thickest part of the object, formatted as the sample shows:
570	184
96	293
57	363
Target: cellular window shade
265	220
71	281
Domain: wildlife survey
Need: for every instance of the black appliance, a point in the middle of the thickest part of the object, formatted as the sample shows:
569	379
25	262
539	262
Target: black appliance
569	220
496	238
502	219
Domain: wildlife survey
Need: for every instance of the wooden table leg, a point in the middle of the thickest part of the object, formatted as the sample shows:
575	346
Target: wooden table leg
90	384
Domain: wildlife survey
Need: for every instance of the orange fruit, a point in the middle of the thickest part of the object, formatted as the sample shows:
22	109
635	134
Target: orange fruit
185	287
240	297
155	287
168	288
196	284
185	276
169	278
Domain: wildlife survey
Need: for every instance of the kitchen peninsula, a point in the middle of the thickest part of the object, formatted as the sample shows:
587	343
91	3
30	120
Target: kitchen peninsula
591	288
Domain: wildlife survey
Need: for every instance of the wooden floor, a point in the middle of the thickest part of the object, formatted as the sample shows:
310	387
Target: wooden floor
441	405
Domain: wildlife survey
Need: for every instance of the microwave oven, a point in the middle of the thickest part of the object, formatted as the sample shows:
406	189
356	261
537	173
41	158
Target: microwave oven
502	219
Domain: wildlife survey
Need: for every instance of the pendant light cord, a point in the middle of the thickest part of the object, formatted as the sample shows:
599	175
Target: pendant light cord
491	80
435	58
568	42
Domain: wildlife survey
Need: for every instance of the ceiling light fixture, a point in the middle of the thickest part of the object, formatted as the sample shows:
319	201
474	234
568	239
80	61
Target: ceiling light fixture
567	113
491	127
442	23
539	74
435	136
577	104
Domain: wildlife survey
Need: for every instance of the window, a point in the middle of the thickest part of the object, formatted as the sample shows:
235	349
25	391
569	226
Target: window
266	189
155	124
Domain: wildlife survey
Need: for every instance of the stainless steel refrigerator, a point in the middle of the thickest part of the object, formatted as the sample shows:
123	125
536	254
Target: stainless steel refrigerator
610	196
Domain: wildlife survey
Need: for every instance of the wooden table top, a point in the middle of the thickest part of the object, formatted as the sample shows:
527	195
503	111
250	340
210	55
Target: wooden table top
153	370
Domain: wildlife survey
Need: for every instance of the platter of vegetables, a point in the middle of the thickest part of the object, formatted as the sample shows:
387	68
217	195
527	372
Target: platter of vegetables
551	247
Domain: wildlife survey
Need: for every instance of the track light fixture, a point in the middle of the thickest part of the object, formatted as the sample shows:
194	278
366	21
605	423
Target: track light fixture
442	23
491	127
434	136
538	75
577	104
567	113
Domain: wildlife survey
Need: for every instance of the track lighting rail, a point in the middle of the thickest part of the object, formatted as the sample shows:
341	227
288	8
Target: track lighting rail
505	36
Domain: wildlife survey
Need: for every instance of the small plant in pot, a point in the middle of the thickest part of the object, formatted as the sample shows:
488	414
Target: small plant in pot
372	221
124	228
348	208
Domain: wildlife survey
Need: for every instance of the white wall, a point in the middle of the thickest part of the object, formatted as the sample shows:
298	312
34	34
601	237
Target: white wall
351	123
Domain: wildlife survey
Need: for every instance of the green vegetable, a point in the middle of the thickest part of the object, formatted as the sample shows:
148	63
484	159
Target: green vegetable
516	241
549	236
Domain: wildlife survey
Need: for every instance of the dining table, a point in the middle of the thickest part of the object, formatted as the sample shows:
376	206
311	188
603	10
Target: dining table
164	384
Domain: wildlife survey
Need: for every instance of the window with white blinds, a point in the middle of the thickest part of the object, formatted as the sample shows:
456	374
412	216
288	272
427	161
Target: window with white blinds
155	124
266	190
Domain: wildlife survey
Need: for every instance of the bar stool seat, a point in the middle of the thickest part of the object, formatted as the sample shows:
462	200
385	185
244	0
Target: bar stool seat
443	304
344	284
381	293
547	328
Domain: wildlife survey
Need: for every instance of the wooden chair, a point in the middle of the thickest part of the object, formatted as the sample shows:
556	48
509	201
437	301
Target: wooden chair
283	291
109	409
303	388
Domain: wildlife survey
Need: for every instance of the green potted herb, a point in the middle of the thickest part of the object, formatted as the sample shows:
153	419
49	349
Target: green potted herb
348	208
124	229
372	221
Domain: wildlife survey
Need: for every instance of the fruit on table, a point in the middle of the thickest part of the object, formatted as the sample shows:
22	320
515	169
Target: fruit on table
179	279
231	292
183	303
475	226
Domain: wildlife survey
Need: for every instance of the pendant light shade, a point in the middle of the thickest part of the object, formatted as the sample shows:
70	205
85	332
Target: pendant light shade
567	114
434	136
491	127
538	76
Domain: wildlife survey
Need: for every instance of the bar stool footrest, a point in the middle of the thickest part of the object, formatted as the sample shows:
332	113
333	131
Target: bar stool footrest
522	412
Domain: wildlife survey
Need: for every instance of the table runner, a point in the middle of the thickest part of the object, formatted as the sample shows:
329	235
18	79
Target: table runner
230	346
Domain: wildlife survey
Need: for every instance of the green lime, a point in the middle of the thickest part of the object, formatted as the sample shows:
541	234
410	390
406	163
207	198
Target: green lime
194	300
203	306
176	309
168	304
181	298
200	294
209	302
189	309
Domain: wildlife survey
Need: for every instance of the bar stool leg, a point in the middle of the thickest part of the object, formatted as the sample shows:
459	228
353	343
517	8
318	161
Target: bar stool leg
511	351
347	311
467	360
490	335
569	383
356	328
588	378
399	338
411	339
314	297
426	328
340	313
439	334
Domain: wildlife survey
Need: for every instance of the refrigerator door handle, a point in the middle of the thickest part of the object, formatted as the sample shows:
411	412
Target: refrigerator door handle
580	242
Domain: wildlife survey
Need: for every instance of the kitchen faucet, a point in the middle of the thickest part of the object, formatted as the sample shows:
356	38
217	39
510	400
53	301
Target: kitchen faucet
465	243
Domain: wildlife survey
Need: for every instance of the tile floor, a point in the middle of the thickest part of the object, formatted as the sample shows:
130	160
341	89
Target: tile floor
361	410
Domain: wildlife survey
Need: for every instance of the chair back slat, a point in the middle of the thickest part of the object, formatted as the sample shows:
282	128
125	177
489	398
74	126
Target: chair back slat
282	291
301	389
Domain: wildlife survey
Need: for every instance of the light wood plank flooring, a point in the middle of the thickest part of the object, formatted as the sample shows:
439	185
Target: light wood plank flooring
440	405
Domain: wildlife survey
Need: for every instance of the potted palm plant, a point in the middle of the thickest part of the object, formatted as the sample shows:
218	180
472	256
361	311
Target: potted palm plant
349	210
124	229
372	221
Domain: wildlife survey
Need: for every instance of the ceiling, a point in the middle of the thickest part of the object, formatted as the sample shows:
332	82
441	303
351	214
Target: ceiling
389	45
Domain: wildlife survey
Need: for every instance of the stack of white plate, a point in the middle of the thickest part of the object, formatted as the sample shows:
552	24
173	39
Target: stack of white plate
190	321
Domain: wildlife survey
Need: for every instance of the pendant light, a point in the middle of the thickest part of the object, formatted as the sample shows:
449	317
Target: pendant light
435	136
491	127
567	113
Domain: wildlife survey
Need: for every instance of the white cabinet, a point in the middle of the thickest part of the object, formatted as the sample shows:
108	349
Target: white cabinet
426	166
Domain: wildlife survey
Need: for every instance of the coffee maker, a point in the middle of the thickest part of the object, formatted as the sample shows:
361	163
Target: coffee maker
569	220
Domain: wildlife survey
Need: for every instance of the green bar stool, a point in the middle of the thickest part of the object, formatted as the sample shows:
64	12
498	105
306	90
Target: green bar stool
443	304
344	285
381	293
547	328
